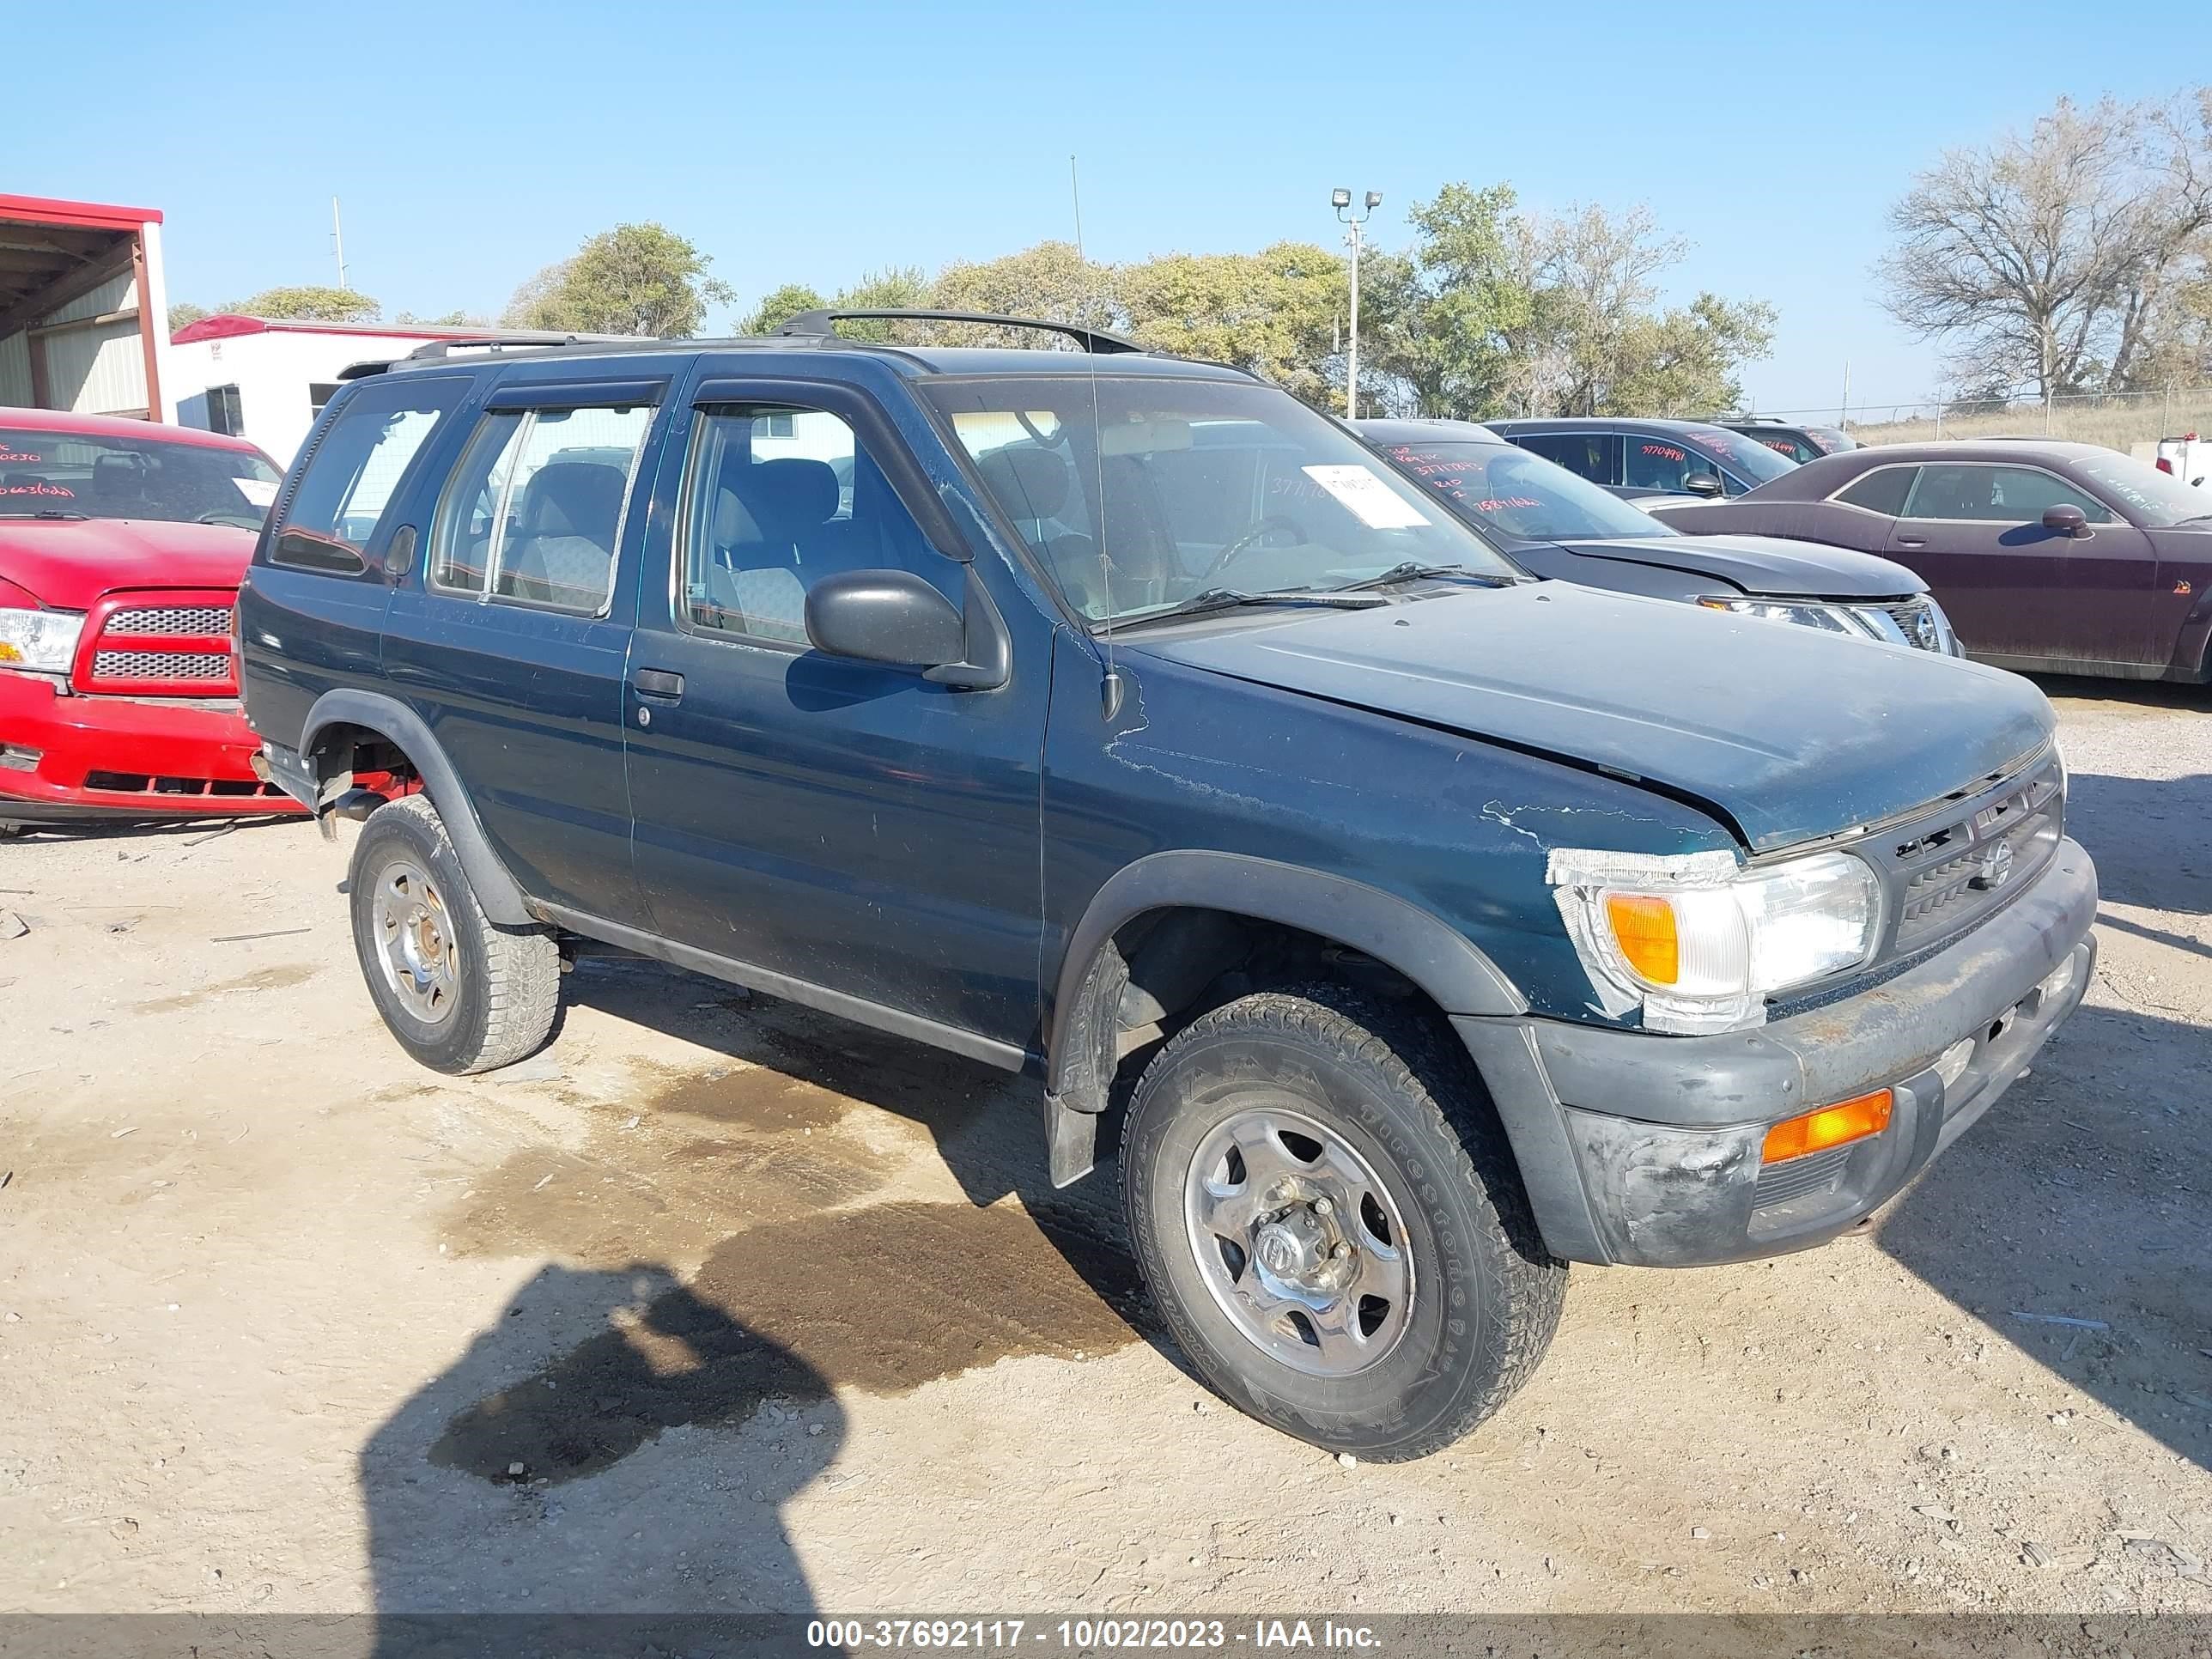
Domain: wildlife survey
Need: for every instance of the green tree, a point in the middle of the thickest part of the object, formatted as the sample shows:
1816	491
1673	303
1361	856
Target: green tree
635	279
1273	314
310	303
455	318
185	313
1683	361
1447	317
1050	281
779	306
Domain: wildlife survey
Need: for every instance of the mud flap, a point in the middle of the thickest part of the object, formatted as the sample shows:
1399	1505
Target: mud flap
1071	1140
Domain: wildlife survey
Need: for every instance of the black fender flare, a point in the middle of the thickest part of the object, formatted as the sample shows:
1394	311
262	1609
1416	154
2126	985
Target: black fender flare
1424	947
496	889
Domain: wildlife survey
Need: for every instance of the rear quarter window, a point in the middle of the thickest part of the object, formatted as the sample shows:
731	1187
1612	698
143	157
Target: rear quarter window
1882	490
352	477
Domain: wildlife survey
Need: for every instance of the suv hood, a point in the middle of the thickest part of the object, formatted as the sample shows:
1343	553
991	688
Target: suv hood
67	563
1787	733
1764	565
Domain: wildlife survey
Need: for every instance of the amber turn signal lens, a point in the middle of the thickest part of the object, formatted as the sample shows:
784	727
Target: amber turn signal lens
1832	1126
1643	927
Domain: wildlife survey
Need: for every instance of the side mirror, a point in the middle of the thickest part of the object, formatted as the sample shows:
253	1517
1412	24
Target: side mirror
1703	483
2065	519
890	616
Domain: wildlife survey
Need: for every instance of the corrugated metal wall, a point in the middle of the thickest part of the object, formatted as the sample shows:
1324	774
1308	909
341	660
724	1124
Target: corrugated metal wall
117	295
16	372
97	370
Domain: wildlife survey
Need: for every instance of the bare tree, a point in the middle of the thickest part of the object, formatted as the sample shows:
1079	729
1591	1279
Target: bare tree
2041	261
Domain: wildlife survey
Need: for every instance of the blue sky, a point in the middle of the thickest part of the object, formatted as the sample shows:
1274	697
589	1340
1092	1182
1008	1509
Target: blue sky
472	143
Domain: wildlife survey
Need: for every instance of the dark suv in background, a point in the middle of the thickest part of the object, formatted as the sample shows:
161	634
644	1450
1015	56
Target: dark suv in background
1797	443
1637	459
1134	727
1549	521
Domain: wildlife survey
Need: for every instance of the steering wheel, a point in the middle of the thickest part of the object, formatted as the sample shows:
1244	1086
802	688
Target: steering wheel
1235	550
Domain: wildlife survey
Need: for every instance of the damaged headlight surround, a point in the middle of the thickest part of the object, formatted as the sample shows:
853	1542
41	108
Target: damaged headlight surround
1698	941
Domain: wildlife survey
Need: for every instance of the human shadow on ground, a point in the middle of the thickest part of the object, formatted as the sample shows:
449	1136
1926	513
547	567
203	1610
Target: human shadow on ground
2083	1195
513	1483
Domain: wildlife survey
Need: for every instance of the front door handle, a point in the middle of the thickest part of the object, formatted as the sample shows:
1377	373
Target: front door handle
1912	541
658	683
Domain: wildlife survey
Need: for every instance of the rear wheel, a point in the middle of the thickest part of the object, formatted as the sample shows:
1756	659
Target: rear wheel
1328	1214
460	993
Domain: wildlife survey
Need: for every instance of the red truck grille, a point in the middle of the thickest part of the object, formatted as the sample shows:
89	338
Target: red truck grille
169	642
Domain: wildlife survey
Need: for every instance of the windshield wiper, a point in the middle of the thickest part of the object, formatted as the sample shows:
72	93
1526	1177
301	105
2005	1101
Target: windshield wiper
46	513
1228	598
1414	570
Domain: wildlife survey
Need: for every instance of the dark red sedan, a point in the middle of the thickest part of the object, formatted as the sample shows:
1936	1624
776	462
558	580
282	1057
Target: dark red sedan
2049	557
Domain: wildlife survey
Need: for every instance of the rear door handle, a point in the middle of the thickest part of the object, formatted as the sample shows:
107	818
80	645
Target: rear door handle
1912	541
658	683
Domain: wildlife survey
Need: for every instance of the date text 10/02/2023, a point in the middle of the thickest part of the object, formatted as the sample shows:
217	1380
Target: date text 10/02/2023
1184	1635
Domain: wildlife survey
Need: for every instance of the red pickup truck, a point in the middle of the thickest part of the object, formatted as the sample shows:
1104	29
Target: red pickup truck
121	547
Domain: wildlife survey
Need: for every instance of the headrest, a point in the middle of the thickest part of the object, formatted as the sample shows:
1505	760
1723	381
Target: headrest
790	496
573	498
734	525
1029	482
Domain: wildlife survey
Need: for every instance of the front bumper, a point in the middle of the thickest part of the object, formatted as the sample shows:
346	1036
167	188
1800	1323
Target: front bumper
70	759
1645	1150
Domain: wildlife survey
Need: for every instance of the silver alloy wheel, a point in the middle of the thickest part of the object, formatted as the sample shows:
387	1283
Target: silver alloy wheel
415	941
1299	1241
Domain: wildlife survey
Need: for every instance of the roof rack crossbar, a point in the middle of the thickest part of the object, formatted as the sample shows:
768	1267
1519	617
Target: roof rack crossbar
1090	339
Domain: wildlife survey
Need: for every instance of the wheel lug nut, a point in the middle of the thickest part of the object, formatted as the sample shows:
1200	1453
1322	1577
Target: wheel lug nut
1323	1206
1341	1250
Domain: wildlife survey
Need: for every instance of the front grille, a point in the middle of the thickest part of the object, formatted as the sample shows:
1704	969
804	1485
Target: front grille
212	666
152	621
1955	874
1794	1178
1912	620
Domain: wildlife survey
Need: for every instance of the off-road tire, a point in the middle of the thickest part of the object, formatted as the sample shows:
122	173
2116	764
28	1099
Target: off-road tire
1393	1085
509	983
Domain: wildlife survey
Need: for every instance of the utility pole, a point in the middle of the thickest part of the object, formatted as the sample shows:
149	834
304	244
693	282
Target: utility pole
338	241
1341	201
1844	409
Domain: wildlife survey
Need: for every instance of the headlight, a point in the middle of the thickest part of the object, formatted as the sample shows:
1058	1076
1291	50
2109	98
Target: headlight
1828	617
42	641
1700	942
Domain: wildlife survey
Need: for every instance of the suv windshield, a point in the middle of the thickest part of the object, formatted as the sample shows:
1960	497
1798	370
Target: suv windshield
1749	458
1137	493
2159	499
81	476
1507	489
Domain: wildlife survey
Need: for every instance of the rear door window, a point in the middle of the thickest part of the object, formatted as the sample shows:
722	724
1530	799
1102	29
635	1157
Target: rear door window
1882	490
1592	455
354	472
533	512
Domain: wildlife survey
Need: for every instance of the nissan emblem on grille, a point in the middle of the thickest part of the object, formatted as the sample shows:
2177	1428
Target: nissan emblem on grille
1996	868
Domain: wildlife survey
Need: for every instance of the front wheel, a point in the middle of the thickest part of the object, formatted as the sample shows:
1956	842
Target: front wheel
460	993
1327	1213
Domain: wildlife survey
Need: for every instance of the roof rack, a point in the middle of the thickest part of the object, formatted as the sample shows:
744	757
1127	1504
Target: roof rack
1090	339
490	340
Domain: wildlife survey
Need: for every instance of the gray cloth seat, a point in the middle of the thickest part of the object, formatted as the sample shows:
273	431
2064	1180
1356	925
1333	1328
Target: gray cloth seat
773	537
564	547
1034	485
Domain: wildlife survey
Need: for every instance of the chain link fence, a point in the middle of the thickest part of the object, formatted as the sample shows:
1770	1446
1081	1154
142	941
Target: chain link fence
2117	420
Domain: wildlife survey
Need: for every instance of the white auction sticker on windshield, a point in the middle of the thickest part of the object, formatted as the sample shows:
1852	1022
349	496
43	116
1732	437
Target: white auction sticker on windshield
1372	502
259	492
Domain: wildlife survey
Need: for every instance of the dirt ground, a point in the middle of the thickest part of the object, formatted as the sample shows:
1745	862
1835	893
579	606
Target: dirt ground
721	1305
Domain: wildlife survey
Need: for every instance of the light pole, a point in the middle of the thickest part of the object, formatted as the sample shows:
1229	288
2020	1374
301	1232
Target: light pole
1341	201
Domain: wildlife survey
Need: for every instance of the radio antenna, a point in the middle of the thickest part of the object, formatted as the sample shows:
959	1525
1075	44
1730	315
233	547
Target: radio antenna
1109	691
